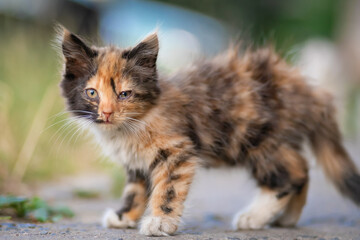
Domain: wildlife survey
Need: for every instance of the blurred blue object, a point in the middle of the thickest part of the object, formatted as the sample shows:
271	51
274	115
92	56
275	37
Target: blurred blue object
126	22
184	35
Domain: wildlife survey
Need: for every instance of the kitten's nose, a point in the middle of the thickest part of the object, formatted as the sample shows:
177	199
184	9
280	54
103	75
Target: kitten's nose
107	115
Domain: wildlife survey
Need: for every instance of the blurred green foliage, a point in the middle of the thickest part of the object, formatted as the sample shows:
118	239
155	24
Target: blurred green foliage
119	179
282	23
28	67
34	209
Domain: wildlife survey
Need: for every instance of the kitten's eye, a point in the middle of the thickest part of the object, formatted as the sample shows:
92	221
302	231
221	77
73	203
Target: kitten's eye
91	93
124	95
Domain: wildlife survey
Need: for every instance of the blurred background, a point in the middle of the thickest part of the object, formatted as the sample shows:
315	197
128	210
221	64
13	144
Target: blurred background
42	153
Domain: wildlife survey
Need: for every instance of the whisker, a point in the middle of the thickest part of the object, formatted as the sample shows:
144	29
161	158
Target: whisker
131	113
145	125
70	121
134	119
138	130
84	128
63	130
70	111
66	126
54	125
67	134
81	129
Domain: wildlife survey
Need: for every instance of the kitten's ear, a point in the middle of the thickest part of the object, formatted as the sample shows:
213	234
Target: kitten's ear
145	53
79	57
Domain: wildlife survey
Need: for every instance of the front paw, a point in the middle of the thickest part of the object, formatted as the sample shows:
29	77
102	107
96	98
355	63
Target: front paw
158	226
112	220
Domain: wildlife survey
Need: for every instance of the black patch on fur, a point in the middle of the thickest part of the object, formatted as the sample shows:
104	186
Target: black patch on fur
144	53
113	85
135	176
161	156
351	186
243	152
79	68
299	185
89	52
73	91
294	187
99	121
69	76
191	132
170	194
173	177
254	136
166	209
140	52
138	176
262	131
182	158
133	52
146	97
223	137
282	194
275	177
125	54
128	204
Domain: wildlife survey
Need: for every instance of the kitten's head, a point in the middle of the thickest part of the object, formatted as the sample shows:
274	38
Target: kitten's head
109	86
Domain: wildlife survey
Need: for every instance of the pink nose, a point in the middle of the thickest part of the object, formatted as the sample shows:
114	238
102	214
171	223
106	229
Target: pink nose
107	115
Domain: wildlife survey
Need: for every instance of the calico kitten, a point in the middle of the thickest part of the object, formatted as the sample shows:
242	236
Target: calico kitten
252	111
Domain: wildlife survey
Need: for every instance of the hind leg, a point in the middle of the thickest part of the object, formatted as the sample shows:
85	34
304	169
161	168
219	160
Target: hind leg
293	211
280	176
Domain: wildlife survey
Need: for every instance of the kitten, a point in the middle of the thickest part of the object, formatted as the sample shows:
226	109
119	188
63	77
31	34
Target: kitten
252	111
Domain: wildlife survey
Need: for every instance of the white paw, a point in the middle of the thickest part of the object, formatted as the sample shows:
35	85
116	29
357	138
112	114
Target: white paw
249	220
111	220
158	226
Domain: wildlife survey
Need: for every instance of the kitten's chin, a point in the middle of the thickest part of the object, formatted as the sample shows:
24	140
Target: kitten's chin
106	125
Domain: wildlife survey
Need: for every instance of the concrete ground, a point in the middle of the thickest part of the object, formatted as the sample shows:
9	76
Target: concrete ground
215	197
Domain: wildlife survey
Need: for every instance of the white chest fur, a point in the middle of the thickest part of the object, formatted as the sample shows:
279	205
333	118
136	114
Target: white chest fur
120	148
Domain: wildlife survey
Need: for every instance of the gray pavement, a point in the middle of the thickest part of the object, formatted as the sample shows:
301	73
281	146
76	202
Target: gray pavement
334	231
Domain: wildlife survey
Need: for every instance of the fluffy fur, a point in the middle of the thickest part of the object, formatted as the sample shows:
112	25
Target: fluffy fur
251	110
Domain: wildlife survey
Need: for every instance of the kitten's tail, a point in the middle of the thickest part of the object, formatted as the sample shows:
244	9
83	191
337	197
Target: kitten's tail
327	146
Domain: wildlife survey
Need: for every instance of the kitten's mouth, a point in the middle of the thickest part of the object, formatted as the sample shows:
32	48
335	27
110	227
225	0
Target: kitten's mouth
102	121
